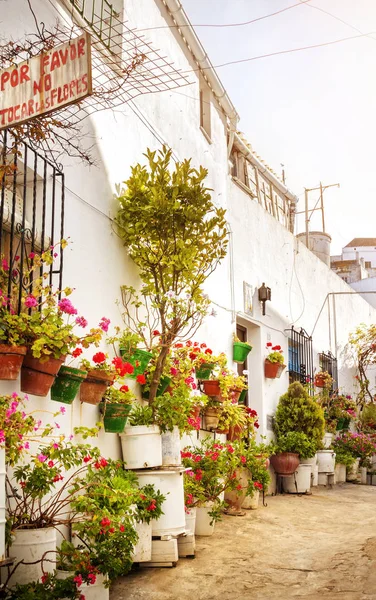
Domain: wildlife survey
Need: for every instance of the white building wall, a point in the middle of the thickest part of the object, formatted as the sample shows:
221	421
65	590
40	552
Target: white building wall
366	285
366	252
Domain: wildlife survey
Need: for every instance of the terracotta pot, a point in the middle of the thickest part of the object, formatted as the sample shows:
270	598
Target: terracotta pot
235	394
273	370
319	381
211	387
267	460
235	498
195	412
11	359
94	386
37	377
285	463
211	417
235	433
223	431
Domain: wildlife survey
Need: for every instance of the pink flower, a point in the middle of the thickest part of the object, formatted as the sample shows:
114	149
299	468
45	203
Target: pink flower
78	580
173	371
2	436
230	449
27	446
4	264
62	409
197	458
57	425
81	321
104	323
42	458
30	301
55	446
51	463
243	459
32	255
190	473
92	578
66	306
17	257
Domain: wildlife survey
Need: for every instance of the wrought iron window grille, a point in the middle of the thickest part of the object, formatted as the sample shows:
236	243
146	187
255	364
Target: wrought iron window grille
328	363
31	216
300	359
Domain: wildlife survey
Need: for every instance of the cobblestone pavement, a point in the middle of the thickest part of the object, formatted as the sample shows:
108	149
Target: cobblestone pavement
312	547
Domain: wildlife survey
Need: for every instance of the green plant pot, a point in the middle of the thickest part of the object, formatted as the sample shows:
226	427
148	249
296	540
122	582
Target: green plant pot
163	385
66	385
139	360
242	396
343	424
205	371
114	416
240	351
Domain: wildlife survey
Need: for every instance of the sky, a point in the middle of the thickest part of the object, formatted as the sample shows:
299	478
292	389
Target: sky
314	111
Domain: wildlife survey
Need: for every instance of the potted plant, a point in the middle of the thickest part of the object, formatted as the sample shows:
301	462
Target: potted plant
231	416
323	380
212	413
141	441
287	451
344	460
12	346
115	408
49	588
240	350
255	459
100	376
274	362
131	353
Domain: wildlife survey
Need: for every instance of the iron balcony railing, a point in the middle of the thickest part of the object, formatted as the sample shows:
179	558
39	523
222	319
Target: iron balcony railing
300	360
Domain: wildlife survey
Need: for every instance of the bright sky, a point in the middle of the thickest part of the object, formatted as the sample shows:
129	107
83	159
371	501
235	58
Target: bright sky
314	110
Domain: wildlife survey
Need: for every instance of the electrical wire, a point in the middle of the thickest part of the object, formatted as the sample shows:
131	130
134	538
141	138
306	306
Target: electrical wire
222	25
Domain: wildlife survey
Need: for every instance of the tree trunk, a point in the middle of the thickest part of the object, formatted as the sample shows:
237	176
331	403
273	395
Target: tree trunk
159	366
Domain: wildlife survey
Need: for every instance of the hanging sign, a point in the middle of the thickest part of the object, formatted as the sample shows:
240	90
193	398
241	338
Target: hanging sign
46	82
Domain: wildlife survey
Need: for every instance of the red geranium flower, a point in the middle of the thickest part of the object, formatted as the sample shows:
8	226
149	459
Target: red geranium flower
208	351
77	352
99	358
269	344
124	388
141	379
156	332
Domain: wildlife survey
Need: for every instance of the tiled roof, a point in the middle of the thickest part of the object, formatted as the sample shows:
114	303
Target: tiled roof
361	242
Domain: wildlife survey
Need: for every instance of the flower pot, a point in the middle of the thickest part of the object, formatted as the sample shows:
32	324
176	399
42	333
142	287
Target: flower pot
235	498
37	377
142	446
203	372
352	472
211	387
170	484
115	416
163	385
195	412
31	545
320	381
285	463
327	440
242	396
171	448
340	473
190	520
343	423
273	370
139	360
94	386
204	526
300	482
363	475
95	591
211	417
240	351
11	359
309	461
235	433
234	394
326	461
252	502
67	383
142	549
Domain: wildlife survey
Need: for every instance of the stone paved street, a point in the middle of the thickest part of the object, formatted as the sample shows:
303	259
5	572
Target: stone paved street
311	547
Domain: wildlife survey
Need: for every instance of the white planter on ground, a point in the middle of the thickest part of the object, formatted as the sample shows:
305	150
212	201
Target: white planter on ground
2	503
326	461
363	475
315	475
340	473
252	502
300	482
309	461
352	472
31	545
327	440
170	484
142	446
171	448
142	550
96	591
203	519
190	520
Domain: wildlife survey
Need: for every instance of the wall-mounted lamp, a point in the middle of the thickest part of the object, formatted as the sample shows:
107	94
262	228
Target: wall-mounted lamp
264	294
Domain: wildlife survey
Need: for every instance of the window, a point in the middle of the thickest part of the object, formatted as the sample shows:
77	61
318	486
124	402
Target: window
300	359
205	112
31	213
102	17
345	279
328	363
368	264
239	167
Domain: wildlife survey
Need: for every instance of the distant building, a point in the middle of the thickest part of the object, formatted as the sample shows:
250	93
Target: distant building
357	261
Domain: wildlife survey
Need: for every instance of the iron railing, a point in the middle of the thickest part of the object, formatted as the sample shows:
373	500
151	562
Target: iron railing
31	215
300	363
100	16
328	363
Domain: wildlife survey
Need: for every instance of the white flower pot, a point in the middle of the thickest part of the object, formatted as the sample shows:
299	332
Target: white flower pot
309	461
203	526
142	550
190	520
170	484
340	473
363	475
2	503
96	591
252	502
171	448
142	446
300	482
327	440
31	545
326	461
352	472
315	475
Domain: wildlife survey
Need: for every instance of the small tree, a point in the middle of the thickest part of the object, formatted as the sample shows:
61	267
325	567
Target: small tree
363	341
297	411
177	237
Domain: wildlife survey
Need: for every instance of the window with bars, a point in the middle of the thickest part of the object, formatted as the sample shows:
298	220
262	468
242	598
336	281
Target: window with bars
31	215
103	19
328	363
300	359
